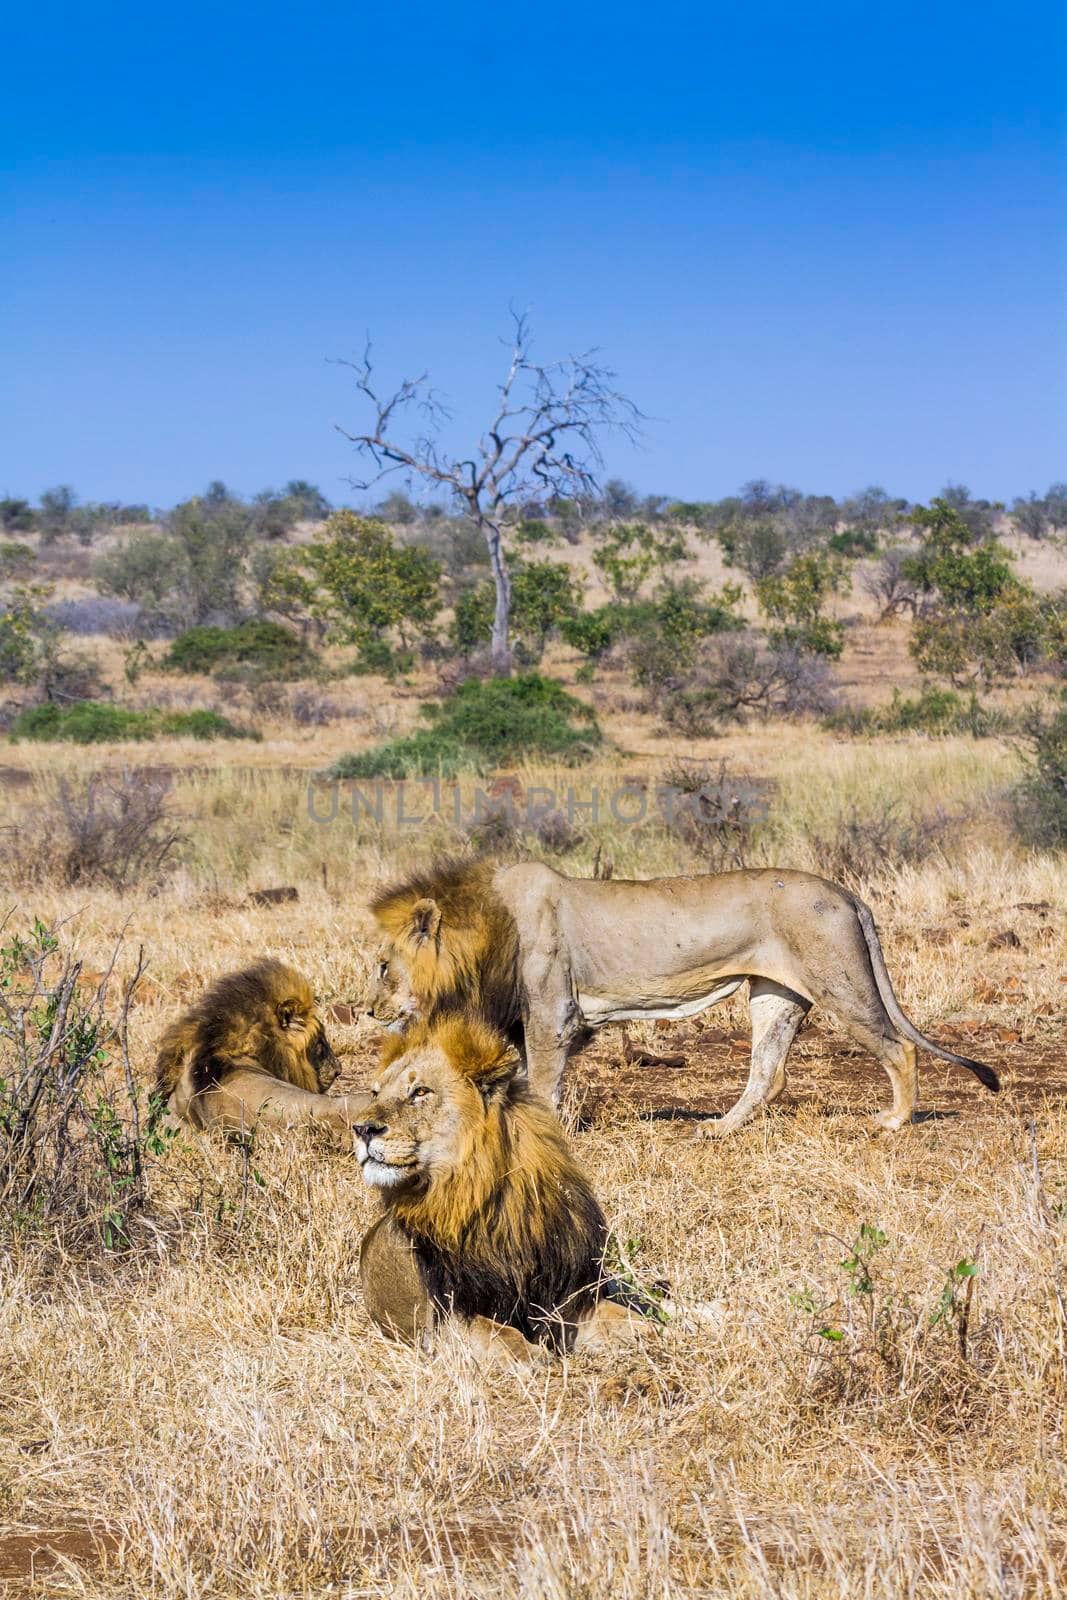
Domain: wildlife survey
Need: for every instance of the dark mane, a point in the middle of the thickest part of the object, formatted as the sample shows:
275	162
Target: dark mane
477	962
236	1023
513	1231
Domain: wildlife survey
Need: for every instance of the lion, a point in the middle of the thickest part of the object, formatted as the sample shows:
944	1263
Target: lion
252	1051
487	1219
544	958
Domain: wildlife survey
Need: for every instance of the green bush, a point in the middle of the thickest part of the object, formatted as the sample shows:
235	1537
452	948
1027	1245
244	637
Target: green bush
257	649
16	560
545	595
854	542
100	722
484	725
1040	800
933	711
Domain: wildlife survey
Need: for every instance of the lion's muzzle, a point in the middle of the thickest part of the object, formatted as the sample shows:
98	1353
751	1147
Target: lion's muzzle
384	1164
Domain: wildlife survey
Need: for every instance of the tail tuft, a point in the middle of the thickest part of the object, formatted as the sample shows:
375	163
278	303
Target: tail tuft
984	1074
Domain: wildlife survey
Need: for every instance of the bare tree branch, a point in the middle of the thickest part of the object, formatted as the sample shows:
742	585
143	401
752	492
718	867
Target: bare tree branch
544	439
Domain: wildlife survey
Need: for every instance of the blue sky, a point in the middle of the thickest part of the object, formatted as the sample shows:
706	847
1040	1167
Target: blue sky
828	247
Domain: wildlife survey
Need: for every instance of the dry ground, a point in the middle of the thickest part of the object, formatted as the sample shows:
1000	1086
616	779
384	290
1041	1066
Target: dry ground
211	1415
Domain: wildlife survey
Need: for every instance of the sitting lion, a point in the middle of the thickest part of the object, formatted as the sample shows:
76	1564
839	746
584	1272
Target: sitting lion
252	1051
543	957
486	1215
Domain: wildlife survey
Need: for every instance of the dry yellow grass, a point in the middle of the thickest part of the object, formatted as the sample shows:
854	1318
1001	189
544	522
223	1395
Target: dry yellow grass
216	1407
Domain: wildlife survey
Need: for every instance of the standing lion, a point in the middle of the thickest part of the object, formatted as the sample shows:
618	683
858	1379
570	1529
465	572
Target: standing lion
253	1051
543	957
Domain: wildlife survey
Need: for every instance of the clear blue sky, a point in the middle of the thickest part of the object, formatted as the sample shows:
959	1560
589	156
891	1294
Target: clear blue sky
824	245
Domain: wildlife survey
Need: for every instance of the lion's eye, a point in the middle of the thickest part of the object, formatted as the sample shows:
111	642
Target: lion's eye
419	1092
383	969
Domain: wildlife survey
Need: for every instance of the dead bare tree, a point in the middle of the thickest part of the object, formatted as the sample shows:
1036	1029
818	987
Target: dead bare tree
543	440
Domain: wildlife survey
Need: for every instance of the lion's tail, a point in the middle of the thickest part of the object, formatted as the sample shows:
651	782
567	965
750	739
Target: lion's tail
984	1074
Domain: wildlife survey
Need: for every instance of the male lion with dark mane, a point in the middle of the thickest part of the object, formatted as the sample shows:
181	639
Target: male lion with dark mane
543	957
253	1051
487	1218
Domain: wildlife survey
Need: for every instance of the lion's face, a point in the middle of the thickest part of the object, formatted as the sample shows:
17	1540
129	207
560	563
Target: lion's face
302	1036
430	1104
392	1001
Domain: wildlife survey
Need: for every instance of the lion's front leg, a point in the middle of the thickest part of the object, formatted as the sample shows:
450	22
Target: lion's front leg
552	1023
246	1100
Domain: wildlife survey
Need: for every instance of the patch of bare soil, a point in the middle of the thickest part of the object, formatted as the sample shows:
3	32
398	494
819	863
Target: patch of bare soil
27	1557
825	1071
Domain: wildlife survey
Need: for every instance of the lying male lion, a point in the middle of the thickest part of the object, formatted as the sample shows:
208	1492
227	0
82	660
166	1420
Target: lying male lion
253	1051
541	957
487	1217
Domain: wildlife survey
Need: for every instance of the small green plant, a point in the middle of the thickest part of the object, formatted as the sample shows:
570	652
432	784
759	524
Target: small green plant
75	1137
483	725
620	1266
101	722
934	712
135	660
867	1319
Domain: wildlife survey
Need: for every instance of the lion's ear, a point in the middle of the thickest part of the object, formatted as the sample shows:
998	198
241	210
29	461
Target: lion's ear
424	922
494	1075
286	1013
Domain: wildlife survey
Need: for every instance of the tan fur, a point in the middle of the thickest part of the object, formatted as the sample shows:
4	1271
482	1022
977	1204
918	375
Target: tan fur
486	1214
252	1051
543	957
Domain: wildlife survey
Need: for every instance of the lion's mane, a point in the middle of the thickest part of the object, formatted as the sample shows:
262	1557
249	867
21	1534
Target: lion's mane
468	960
511	1230
243	1021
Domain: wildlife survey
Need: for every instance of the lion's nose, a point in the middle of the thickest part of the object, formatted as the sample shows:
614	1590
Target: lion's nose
368	1130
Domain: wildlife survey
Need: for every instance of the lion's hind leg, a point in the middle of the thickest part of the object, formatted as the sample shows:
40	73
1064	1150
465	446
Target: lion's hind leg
854	1001
610	1326
776	1015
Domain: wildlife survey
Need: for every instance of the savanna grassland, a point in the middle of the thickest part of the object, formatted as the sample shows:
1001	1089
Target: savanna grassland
863	1390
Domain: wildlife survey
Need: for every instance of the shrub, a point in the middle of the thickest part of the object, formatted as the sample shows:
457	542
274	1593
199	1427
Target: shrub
545	595
485	724
16	516
95	614
627	556
147	570
74	1139
794	598
862	845
933	711
363	587
666	632
737	677
252	649
19	641
853	543
213	536
113	829
718	813
16	560
1040	800
100	722
592	633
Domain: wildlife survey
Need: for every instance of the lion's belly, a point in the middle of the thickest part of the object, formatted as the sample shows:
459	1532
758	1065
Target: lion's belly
654	1003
